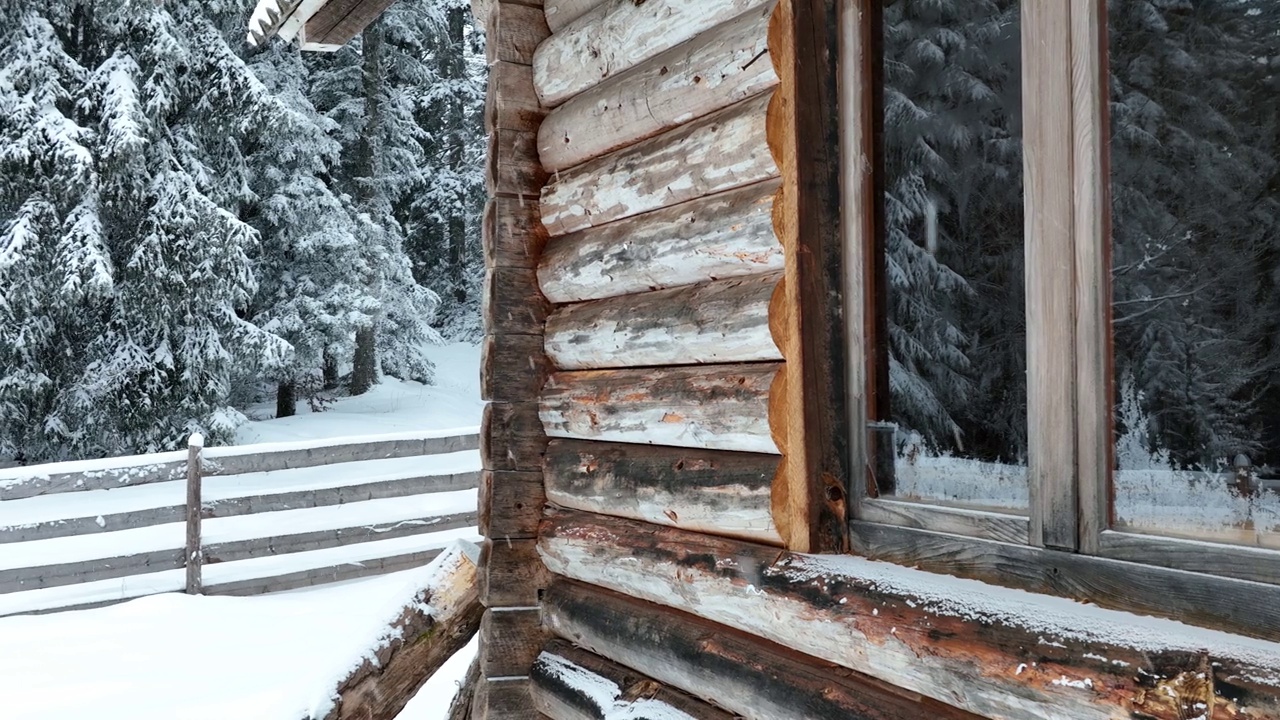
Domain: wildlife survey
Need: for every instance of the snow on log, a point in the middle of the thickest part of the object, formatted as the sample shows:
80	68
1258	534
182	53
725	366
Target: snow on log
723	493
618	35
720	152
750	677
998	652
562	12
438	622
718	322
573	684
713	407
722	236
715	70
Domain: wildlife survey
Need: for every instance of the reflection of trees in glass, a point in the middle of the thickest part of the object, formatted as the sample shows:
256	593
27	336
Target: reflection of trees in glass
1196	220
953	215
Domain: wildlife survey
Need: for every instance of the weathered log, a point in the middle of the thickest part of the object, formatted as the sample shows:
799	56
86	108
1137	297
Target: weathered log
992	651
513	232
722	236
503	699
562	12
511	302
512	575
511	437
512	639
724	493
573	684
753	678
514	32
713	71
513	167
438	622
460	706
512	367
725	321
511	103
713	407
618	35
216	551
720	152
511	504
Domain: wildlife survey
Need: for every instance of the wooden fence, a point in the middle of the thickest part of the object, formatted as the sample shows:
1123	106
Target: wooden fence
237	520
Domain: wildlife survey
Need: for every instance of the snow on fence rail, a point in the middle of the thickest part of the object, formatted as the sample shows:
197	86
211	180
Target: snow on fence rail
249	519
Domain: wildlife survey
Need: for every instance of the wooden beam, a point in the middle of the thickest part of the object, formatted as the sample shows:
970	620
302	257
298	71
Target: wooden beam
573	684
512	437
723	493
807	319
515	31
750	677
940	518
721	236
339	21
725	321
712	407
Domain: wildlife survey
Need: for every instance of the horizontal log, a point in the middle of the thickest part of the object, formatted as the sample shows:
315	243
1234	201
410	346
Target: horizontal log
511	437
723	493
511	302
716	69
562	12
724	321
996	652
618	35
573	684
312	577
105	522
512	575
260	458
513	232
436	623
512	367
325	497
511	504
753	678
720	152
323	539
513	167
73	573
713	407
722	236
514	32
511	103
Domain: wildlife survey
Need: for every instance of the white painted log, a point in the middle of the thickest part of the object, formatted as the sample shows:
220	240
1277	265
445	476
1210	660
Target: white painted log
562	12
718	322
713	407
722	236
721	152
618	35
723	66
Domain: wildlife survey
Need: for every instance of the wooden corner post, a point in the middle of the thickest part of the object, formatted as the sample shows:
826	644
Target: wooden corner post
194	549
808	404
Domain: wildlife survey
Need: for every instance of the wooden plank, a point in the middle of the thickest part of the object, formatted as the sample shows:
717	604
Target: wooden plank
439	621
1051	320
513	637
193	556
251	459
95	524
713	407
807	318
720	152
326	497
1092	243
514	32
511	437
512	573
957	521
510	103
723	493
511	504
513	368
48	480
321	576
562	12
725	321
511	302
721	236
73	573
573	684
513	233
1233	561
618	35
716	69
503	699
286	543
339	21
513	167
961	644
748	676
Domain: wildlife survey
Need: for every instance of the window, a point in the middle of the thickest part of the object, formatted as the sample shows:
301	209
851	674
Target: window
1062	254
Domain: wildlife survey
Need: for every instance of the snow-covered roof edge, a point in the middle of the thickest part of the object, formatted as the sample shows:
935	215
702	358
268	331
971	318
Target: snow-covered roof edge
285	18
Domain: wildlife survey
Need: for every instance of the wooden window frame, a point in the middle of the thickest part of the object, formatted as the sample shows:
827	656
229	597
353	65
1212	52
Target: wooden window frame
1064	545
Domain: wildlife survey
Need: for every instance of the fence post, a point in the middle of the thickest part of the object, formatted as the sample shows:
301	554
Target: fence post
195	553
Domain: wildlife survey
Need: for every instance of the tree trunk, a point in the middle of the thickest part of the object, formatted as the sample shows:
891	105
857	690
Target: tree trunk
456	69
286	400
460	708
364	371
331	379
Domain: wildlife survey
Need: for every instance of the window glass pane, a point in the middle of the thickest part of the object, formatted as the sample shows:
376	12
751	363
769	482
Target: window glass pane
950	392
1195	216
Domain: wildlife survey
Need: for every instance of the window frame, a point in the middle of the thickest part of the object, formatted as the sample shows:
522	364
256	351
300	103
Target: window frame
1065	544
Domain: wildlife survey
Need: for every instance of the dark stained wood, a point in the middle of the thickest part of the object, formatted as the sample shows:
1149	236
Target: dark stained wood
725	493
714	407
460	706
511	302
513	167
514	32
513	368
513	233
511	437
513	637
513	573
503	699
746	675
339	21
557	697
511	103
511	504
975	653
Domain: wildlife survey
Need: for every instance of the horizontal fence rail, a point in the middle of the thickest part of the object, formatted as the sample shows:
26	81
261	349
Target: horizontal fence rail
235	520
